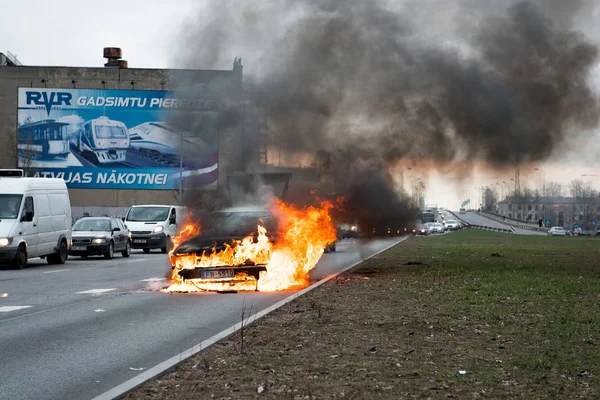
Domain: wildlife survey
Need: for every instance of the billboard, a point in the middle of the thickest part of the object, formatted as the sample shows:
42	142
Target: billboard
118	139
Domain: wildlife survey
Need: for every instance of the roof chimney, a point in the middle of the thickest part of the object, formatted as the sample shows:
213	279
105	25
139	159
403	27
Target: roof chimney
114	54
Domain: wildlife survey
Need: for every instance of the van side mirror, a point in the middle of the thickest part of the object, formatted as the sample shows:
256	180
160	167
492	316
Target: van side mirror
116	230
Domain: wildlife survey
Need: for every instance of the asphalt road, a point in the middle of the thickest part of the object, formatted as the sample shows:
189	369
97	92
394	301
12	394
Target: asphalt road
77	330
476	219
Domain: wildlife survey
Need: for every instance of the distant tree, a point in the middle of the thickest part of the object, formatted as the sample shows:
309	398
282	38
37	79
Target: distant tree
490	200
554	189
580	189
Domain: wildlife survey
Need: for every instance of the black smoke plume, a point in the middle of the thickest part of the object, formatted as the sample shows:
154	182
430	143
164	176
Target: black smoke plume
365	85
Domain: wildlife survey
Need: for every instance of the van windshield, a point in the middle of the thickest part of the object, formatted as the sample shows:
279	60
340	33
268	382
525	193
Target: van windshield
148	214
10	205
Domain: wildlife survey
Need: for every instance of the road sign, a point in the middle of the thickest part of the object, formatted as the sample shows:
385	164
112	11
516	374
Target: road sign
548	222
576	218
575	226
512	229
594	222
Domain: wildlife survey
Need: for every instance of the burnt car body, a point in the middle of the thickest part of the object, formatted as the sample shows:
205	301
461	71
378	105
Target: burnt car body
226	226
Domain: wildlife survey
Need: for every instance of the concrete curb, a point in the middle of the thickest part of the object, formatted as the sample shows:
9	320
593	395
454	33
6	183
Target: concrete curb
165	366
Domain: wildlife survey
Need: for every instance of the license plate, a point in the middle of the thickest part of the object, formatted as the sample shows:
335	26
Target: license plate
78	248
218	274
139	241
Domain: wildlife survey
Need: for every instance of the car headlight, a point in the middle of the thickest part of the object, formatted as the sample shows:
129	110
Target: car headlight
99	240
5	242
354	228
159	228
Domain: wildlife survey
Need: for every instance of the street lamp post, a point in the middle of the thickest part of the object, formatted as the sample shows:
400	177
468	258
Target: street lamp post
545	205
543	181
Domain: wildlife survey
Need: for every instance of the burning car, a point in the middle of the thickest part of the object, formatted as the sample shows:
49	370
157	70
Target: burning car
226	227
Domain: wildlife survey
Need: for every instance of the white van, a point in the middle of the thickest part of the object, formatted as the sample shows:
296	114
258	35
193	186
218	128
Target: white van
35	219
153	226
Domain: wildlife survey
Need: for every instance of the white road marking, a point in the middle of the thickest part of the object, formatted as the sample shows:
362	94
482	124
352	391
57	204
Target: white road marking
56	270
95	291
12	308
132	261
99	310
153	280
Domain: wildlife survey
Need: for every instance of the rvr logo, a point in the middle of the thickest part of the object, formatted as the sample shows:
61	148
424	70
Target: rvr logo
48	100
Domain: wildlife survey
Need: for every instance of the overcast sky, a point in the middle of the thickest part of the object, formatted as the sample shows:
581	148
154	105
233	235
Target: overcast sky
69	33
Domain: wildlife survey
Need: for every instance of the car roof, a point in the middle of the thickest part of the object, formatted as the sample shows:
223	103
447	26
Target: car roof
97	218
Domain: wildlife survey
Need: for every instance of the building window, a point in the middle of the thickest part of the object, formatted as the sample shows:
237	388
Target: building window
520	207
509	215
510	206
537	207
529	208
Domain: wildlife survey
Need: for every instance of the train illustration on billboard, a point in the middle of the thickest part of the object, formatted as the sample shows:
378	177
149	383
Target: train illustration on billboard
101	141
43	140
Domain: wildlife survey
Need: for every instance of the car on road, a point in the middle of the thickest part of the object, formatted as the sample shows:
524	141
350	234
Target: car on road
226	226
462	211
421	230
35	219
348	231
100	236
451	225
556	231
436	228
154	226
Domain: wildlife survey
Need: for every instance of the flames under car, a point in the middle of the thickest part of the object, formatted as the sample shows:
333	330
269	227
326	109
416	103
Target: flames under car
228	227
230	274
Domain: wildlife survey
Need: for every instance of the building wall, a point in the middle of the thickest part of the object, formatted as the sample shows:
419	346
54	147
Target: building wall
227	84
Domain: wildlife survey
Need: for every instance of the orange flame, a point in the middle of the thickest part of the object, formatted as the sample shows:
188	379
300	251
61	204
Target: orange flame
304	234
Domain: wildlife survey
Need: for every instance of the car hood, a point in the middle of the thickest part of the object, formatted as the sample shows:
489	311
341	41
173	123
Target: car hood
89	233
200	244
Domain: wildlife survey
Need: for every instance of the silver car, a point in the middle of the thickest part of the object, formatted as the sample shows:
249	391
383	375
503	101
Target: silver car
556	231
100	236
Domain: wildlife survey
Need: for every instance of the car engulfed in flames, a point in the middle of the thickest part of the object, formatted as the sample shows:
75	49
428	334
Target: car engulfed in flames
248	249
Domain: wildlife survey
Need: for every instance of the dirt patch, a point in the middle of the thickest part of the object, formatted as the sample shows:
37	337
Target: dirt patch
466	326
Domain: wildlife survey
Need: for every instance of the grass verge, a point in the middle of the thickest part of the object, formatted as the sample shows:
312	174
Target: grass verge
468	315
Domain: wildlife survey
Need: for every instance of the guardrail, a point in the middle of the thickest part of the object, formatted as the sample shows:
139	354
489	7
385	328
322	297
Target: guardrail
482	227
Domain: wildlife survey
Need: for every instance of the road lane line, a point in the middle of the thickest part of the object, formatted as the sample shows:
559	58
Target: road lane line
56	270
95	291
153	372
132	261
12	308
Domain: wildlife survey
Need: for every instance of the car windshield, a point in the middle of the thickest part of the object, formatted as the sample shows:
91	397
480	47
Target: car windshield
91	224
9	205
236	222
451	221
148	214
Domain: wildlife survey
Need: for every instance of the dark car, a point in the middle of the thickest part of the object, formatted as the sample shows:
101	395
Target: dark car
100	236
226	226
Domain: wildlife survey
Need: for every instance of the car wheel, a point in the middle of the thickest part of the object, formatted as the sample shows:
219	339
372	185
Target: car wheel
127	252
111	251
20	260
146	251
60	257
